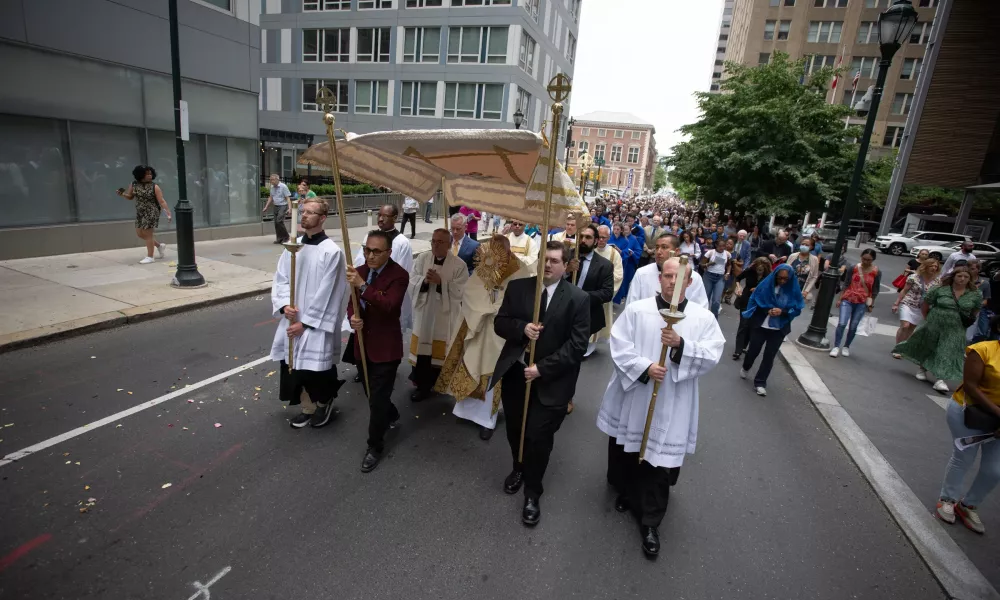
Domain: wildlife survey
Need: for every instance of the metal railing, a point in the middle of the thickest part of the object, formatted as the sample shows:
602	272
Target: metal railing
362	203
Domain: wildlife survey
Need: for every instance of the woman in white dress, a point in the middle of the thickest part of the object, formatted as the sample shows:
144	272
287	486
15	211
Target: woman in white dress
911	297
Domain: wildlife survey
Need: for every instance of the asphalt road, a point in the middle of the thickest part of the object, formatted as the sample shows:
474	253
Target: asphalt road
769	507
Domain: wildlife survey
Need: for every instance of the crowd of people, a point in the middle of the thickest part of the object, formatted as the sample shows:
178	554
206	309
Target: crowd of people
463	315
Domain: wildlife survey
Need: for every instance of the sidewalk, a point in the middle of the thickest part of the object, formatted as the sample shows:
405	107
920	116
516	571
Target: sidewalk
57	296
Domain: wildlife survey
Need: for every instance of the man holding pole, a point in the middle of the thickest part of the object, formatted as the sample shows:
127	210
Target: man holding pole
560	337
638	338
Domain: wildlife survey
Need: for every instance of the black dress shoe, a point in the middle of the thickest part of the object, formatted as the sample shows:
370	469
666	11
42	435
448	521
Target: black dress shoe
419	395
531	512
736	355
370	461
621	503
359	377
513	482
650	540
485	433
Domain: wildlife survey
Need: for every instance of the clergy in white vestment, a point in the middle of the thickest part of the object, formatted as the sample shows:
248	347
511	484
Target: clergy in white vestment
402	255
695	346
436	287
567	235
475	347
522	245
646	282
312	326
611	253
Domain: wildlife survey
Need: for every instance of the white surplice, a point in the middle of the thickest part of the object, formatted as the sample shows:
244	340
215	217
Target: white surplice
524	247
611	253
635	345
402	255
321	296
646	284
434	324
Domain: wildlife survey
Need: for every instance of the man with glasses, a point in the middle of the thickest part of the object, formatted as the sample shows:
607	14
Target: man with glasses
313	324
521	244
381	284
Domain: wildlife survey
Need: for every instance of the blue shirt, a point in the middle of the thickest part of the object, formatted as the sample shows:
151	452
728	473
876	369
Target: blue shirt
280	194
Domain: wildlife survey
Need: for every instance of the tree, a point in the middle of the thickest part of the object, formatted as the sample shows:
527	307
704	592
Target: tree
659	178
769	142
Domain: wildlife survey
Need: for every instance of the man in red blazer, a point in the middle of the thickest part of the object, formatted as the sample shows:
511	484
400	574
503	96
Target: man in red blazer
381	284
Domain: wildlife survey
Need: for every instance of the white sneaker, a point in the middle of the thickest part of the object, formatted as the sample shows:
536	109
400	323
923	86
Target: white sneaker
921	375
970	518
760	391
835	352
161	249
845	352
743	373
946	511
941	386
146	260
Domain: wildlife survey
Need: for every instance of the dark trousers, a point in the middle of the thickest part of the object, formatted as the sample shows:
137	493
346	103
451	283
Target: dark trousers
424	374
381	377
322	386
410	218
768	339
646	487
280	231
539	434
427	211
742	335
474	235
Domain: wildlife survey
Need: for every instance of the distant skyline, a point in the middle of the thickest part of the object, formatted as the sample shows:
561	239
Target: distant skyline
647	59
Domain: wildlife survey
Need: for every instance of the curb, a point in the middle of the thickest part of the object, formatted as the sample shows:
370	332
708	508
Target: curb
136	314
952	568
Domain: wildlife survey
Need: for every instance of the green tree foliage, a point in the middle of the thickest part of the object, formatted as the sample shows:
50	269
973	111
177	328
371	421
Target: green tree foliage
769	142
659	178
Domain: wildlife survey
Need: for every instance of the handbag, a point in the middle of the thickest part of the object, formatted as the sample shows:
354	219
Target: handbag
869	301
968	318
899	282
867	326
977	417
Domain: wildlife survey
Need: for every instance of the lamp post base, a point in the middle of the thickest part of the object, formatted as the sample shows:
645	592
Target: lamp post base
814	337
187	275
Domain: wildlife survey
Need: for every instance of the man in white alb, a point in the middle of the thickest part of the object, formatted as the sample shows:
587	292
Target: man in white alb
646	282
522	245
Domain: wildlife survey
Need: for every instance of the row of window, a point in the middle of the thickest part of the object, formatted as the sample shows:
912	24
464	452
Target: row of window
863	66
844	3
468	45
417	98
618	133
616	152
531	6
829	32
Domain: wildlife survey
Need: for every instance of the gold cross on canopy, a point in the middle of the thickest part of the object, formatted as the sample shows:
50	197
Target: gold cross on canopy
326	100
559	87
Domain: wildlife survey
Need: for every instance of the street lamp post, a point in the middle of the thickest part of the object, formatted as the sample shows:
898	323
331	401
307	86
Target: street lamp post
586	162
894	26
518	118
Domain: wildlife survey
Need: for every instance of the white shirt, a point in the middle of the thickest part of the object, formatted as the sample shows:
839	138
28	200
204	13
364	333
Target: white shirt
949	265
767	320
280	194
551	289
410	205
717	262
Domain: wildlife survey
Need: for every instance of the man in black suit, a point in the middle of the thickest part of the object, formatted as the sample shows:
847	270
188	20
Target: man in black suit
597	278
561	339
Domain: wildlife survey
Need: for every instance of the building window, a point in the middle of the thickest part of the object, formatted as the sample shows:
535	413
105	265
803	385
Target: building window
602	133
574	9
868	32
423	3
619	134
532	7
921	33
633	155
422	44
714	88
477	45
865	66
763	58
616	153
768	31
723	37
455	3
783	28
583	146
901	104
719	63
825	31
717	75
570	48
526	54
911	68
636	135
874	3
599	152
816	62
374	4
373	44
830	3
226	5
473	101
524	103
928	3
585	131
418	99
326	45
311	87
789	2
309	5
371	97
893	136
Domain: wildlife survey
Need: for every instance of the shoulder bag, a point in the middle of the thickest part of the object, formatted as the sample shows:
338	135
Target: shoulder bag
861	275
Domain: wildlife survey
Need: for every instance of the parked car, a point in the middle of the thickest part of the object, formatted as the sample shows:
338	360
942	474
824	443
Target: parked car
898	244
942	251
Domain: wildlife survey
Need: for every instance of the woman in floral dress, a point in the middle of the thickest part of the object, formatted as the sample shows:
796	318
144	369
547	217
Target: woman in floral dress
911	298
148	203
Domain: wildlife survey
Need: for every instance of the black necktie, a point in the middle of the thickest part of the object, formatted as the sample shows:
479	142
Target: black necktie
545	301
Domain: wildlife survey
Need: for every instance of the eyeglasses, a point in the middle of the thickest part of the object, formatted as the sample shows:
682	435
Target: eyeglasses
373	251
315	214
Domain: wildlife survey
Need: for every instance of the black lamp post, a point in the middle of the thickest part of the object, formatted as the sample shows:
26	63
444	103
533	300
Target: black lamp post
518	118
894	27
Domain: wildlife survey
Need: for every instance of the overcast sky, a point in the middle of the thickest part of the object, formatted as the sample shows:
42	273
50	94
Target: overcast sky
646	57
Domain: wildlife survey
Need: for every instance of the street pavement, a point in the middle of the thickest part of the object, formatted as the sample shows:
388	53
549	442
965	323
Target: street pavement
769	507
904	418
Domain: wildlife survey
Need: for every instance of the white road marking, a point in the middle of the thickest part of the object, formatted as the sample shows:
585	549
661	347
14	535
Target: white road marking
941	401
203	591
20	454
880	328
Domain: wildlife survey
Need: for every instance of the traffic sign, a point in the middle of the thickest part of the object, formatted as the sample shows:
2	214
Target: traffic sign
599	162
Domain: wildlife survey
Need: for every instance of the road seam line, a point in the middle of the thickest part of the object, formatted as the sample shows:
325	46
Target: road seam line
952	568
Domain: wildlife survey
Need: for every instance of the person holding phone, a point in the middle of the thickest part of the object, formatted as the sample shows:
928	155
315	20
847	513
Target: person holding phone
149	202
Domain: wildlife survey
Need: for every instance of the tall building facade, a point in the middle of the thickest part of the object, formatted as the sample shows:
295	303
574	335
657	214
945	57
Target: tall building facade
408	64
88	96
625	143
725	24
831	33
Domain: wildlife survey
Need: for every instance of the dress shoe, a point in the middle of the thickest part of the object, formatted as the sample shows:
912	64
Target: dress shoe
650	540
737	355
621	503
359	377
371	460
531	512
419	395
512	484
485	433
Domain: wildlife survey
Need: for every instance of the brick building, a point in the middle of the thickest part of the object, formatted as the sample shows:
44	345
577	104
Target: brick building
624	141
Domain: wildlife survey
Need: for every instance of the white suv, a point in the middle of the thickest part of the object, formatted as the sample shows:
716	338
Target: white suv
898	244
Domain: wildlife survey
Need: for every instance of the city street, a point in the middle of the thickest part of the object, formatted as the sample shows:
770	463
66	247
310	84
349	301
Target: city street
163	503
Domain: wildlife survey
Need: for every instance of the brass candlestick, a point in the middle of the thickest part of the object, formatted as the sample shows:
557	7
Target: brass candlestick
293	246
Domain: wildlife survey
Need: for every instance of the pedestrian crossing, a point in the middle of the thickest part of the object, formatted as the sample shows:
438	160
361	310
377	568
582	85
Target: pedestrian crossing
941	401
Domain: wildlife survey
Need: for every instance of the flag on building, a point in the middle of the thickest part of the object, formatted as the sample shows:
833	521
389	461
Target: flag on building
857	76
